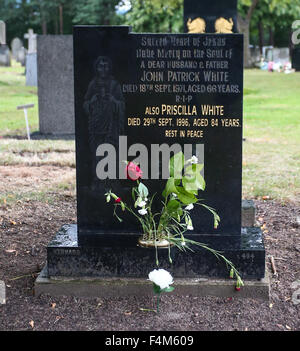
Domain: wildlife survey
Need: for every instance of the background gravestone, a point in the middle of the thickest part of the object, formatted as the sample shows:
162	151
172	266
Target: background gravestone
4	50
2	33
144	70
278	55
55	84
31	36
281	55
255	54
16	45
210	16
31	70
31	59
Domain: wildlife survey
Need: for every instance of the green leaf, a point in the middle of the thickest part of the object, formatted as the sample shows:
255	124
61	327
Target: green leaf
176	165
173	205
186	197
171	187
169	289
190	185
143	190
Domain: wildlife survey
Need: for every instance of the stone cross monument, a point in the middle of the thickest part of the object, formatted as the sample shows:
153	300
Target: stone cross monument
31	36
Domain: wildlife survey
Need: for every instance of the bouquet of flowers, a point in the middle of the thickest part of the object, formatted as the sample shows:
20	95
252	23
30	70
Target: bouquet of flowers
168	226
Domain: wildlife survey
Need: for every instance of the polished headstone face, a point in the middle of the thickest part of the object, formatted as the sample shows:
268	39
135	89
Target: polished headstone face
210	16
158	89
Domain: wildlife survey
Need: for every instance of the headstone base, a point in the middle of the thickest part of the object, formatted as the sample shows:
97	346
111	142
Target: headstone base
116	287
118	255
248	213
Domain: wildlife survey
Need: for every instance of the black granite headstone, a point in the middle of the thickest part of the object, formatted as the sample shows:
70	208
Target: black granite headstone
156	89
210	16
199	75
296	58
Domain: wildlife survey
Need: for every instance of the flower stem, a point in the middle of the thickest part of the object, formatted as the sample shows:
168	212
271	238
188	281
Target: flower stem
157	303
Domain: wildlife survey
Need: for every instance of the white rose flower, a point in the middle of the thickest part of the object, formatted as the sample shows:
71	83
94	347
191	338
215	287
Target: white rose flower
189	207
190	227
142	212
161	278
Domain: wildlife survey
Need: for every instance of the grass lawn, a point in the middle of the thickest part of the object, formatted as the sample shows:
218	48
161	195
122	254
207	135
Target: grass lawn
271	156
271	152
14	92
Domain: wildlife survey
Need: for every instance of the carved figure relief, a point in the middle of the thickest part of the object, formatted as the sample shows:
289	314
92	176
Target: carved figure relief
223	26
196	26
104	105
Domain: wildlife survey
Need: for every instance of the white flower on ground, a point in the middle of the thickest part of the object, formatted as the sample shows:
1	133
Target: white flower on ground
142	212
190	227
161	278
189	207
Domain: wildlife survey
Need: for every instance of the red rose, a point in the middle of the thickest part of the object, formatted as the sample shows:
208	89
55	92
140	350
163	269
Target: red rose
132	171
118	200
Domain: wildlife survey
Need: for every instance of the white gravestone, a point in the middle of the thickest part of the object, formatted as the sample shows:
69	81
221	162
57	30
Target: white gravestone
31	36
16	45
31	59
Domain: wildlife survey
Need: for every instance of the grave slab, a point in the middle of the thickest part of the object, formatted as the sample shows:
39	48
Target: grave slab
116	287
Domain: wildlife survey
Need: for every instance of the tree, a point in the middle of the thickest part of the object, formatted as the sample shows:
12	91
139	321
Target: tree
155	16
246	9
273	15
101	12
